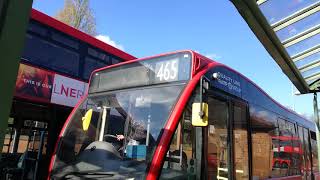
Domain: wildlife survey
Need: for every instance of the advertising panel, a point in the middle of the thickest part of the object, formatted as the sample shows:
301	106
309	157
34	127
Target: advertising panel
40	85
34	83
67	91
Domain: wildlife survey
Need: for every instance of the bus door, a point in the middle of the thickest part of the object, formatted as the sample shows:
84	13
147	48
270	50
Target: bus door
227	140
306	169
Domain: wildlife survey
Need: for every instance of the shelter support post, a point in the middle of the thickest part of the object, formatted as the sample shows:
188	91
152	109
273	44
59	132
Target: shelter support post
316	110
14	17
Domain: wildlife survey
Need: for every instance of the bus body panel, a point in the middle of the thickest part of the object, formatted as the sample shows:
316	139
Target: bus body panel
171	124
230	83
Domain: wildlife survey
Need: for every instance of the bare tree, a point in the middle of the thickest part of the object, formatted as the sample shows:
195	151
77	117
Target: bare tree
78	14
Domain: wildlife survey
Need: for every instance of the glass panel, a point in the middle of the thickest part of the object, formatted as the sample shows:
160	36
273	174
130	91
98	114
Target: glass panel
311	81
303	164
65	40
308	59
218	153
102	56
265	144
132	120
179	162
98	54
162	69
240	140
282	154
311	71
36	28
115	60
46	54
294	150
7	144
300	26
304	45
314	147
275	10
93	52
91	64
307	152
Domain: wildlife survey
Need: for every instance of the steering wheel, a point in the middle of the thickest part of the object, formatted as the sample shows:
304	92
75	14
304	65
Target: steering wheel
110	135
114	143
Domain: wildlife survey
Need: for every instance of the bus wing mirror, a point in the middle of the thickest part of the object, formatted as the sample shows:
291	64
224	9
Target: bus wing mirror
200	115
86	119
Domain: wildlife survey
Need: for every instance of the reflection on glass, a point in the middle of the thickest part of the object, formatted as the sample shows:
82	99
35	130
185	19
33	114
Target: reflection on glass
303	45
121	136
314	147
218	158
300	26
311	81
181	156
307	152
303	158
90	65
240	141
275	10
311	72
271	147
287	155
307	60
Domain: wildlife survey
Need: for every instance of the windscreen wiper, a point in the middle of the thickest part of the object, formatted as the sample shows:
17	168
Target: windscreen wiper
80	174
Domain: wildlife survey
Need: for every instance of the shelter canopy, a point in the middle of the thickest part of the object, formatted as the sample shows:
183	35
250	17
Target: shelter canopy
290	31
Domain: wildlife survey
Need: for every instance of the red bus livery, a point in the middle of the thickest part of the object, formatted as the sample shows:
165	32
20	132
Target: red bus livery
181	116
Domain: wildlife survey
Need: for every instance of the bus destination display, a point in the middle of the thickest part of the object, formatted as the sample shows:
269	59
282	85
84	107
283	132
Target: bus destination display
163	69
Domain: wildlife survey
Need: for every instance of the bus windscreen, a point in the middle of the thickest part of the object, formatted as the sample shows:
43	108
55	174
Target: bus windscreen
163	69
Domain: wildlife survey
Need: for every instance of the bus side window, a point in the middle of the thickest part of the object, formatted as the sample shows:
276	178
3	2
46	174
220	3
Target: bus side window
240	142
265	143
286	161
302	147
218	147
314	149
295	155
180	158
305	152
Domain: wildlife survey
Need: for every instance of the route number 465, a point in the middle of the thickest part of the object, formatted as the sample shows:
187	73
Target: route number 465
167	71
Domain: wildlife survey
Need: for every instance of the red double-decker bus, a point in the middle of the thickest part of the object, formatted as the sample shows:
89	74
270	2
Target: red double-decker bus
175	116
55	67
287	151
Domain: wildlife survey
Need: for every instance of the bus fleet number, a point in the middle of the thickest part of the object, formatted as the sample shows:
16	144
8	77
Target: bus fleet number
168	71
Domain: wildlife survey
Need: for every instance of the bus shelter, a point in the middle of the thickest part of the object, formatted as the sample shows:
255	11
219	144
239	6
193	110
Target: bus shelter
290	32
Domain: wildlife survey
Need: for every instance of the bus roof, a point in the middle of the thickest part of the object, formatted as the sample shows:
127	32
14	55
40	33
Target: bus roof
49	21
203	61
258	89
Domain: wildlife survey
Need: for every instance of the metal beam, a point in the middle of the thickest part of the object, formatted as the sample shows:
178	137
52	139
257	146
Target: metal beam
259	2
303	37
314	86
306	54
292	38
313	77
294	57
263	31
297	16
310	66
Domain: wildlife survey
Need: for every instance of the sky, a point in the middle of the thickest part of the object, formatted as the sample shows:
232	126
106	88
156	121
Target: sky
213	28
